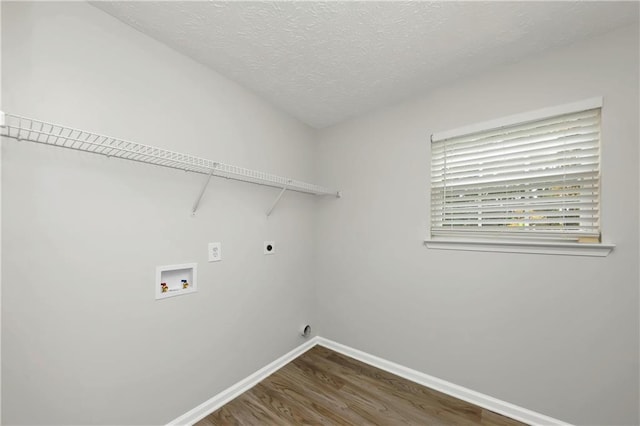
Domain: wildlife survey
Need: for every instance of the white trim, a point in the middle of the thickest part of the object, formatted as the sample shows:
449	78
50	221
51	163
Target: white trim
211	405
569	249
485	401
481	400
525	117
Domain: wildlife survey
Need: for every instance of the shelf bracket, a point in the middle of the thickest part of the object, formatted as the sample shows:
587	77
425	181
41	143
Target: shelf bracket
204	188
275	202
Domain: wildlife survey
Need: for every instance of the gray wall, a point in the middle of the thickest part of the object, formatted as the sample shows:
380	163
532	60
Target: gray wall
83	339
0	223
555	334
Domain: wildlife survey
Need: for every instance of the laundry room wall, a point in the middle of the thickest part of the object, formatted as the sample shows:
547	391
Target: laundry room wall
84	341
554	334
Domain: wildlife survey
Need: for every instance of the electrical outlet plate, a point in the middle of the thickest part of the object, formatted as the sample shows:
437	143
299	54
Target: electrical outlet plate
269	247
215	252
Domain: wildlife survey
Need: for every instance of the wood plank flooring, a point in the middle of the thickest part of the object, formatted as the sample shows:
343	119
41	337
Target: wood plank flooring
326	388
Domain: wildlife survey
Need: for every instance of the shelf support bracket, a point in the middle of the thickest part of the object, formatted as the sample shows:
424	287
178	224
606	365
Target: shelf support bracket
275	202
204	188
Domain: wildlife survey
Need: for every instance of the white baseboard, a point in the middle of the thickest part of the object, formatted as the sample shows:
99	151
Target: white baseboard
485	401
473	397
202	410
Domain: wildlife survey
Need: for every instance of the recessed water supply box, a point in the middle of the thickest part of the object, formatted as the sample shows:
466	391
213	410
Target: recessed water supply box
176	280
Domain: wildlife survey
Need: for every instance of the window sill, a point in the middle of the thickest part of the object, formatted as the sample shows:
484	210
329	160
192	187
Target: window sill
560	248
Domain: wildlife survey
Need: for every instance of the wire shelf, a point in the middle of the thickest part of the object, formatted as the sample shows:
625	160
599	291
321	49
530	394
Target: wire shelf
29	129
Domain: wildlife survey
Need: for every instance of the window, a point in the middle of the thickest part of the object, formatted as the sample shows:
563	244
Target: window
531	176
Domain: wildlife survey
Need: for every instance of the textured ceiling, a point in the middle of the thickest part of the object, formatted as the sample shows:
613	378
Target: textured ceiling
326	61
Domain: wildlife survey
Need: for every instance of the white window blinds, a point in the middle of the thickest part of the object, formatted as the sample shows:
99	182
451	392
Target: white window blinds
535	178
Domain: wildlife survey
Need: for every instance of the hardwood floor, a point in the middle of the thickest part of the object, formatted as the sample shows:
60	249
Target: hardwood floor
324	387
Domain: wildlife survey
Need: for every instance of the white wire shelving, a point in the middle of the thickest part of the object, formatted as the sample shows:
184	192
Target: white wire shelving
42	132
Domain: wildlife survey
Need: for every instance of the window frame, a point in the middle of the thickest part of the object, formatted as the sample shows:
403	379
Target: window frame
510	244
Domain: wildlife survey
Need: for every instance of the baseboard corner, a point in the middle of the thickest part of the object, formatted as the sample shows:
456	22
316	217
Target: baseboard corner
485	401
201	411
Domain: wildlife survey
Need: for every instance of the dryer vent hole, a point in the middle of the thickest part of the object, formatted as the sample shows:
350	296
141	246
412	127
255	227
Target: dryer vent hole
306	331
